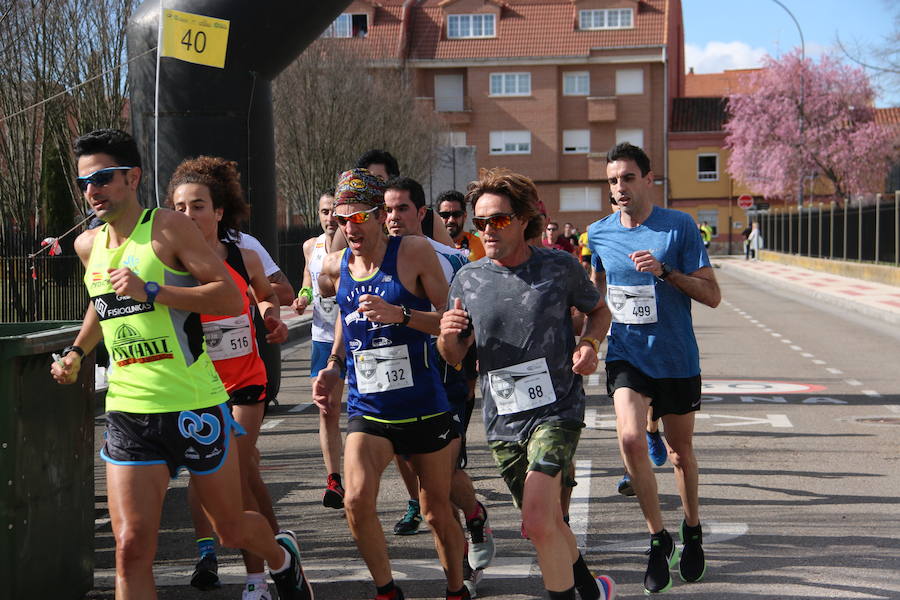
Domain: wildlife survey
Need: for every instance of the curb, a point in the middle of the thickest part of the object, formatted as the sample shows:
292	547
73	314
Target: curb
824	297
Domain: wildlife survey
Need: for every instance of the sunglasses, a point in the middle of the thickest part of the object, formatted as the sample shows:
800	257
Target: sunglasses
99	178
498	221
451	213
358	217
552	228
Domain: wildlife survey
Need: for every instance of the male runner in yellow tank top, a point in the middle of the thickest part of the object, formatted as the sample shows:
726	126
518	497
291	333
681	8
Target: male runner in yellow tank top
150	274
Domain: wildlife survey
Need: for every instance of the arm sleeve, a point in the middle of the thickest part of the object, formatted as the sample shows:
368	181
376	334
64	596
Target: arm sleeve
249	242
583	295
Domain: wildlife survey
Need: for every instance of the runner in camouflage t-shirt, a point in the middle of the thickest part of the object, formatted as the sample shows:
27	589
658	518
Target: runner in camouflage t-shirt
516	301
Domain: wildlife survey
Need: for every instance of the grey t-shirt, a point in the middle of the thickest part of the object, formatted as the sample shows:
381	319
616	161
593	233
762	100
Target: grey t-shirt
520	315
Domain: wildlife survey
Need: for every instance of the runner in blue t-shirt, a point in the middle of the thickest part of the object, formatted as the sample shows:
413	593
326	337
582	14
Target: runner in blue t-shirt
650	262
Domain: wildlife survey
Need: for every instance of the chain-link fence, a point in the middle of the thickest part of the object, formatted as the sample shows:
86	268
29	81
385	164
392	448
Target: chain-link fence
865	230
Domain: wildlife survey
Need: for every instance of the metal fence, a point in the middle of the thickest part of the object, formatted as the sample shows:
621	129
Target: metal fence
51	287
867	231
40	288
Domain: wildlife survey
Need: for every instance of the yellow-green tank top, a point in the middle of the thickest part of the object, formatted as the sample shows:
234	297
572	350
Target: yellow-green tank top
158	359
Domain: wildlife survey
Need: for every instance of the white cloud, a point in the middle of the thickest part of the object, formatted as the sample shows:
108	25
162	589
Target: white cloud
715	57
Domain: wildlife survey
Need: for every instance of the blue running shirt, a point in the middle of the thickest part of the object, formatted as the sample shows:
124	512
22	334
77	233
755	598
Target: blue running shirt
391	369
661	342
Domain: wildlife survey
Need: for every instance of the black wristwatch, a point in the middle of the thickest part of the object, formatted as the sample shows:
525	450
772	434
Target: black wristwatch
151	288
407	315
76	349
666	270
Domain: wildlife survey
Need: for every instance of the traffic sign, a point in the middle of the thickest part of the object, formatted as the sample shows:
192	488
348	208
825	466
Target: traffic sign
745	201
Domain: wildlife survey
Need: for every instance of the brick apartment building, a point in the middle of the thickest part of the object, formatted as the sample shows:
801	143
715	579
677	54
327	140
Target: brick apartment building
543	87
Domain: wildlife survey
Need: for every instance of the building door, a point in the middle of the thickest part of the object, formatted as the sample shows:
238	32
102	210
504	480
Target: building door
448	93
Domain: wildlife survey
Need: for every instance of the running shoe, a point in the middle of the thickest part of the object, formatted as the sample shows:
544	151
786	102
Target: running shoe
607	587
625	486
291	583
334	494
464	595
409	524
663	556
396	594
206	573
657	448
253	591
471	577
692	567
481	546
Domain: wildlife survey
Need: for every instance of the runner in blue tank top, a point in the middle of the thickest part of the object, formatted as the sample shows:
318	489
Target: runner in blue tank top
396	402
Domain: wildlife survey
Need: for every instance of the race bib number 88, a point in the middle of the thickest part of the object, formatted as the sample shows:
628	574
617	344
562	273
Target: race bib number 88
522	387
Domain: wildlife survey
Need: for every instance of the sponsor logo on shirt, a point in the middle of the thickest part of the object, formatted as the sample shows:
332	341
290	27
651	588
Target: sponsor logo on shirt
111	306
129	346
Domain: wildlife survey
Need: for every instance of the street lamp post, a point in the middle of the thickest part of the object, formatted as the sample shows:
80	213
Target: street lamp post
799	114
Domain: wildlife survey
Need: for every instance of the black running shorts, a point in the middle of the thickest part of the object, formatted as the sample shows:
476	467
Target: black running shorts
193	439
420	436
668	396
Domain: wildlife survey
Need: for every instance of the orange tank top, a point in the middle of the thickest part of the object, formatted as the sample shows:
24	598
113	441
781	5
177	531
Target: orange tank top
231	341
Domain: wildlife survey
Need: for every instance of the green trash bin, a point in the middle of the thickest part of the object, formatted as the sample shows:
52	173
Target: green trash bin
46	466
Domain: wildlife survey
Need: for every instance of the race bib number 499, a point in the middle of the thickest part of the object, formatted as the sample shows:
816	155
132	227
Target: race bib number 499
632	304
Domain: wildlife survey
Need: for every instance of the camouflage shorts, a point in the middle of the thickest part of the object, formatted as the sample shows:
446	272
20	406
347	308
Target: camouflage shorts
549	450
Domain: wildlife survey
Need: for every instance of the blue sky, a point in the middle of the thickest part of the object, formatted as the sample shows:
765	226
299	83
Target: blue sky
736	34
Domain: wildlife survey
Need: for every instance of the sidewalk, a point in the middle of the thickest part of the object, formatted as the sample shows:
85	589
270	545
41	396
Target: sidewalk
876	300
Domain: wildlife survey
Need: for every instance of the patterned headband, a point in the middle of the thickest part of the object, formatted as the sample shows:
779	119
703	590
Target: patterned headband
359	186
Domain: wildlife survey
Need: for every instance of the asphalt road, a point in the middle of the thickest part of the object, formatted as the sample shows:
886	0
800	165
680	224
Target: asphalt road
798	447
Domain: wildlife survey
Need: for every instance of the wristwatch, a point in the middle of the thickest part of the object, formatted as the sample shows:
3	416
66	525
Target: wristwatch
666	270
76	349
151	288
407	315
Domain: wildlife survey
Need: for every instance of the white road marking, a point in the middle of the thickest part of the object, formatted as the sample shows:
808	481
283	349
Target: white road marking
351	568
871	393
819	362
853	382
590	418
760	324
98	523
784	341
809	355
797	348
271	424
893	407
593	379
714	532
300	407
773	420
580	506
776	334
834	371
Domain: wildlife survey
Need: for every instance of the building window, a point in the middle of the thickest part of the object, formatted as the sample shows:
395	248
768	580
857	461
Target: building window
510	84
635	137
470	26
348	25
576	141
629	81
577	83
510	142
711	217
574	199
452	138
607	18
707	167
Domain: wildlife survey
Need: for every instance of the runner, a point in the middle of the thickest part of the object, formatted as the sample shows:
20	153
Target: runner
386	288
452	209
150	275
517	303
324	315
650	263
405	207
208	190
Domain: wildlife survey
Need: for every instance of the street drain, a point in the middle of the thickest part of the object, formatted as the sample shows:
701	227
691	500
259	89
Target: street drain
879	420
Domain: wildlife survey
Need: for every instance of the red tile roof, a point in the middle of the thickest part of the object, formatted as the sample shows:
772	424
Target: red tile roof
706	85
698	114
887	116
531	28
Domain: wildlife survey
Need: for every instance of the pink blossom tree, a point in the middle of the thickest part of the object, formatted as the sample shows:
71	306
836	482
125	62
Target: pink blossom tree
805	118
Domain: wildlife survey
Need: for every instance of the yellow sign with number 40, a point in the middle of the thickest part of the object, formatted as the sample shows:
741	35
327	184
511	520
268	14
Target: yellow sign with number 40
195	38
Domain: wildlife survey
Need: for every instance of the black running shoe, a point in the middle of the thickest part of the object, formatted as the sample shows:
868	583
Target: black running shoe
396	594
206	573
663	556
692	567
409	524
291	583
334	494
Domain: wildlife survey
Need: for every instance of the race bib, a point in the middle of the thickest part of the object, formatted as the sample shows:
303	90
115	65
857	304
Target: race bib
632	304
521	387
228	338
382	369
